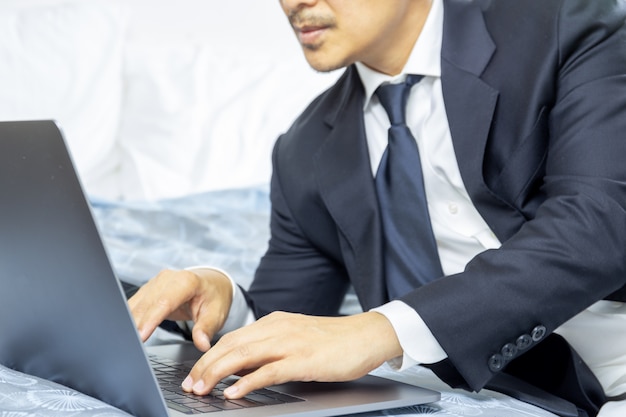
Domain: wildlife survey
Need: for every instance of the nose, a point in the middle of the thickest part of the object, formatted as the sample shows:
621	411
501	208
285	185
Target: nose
292	5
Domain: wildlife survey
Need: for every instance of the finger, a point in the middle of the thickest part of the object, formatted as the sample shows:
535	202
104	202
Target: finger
159	299
150	313
225	359
270	374
140	311
210	311
201	339
244	349
208	322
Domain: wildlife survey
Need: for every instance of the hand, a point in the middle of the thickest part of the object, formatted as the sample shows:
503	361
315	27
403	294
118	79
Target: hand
285	347
203	296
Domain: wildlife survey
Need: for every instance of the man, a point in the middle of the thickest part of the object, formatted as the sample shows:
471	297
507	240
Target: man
519	119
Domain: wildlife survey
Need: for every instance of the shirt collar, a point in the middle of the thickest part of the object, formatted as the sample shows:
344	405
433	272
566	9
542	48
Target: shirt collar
425	58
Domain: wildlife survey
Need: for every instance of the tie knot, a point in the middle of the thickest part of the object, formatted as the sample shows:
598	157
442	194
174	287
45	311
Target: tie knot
393	98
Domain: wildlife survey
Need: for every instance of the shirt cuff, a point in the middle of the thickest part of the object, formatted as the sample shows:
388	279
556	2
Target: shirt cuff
416	339
239	315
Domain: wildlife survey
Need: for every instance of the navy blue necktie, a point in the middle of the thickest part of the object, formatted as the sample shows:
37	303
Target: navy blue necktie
411	257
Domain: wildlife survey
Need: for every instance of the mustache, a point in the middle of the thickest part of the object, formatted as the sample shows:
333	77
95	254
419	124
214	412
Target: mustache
302	18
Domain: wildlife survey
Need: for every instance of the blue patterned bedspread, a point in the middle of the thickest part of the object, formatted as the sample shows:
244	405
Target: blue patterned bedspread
229	230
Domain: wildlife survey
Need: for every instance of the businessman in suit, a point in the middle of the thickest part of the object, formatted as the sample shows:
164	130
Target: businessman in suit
519	117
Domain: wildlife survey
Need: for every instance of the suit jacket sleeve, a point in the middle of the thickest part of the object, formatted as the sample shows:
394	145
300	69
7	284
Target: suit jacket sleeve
295	274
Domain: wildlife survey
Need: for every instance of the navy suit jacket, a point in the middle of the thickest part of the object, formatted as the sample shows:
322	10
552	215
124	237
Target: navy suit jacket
535	94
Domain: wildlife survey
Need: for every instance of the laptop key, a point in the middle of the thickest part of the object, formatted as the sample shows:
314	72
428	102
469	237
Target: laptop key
226	405
168	371
208	409
186	401
179	407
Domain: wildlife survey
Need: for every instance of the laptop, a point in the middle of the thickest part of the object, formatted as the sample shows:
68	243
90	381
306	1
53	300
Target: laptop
64	317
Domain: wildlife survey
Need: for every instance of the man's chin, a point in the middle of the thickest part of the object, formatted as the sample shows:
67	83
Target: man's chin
323	63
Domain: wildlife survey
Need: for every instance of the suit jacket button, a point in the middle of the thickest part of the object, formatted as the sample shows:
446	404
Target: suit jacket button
538	333
496	362
509	351
524	341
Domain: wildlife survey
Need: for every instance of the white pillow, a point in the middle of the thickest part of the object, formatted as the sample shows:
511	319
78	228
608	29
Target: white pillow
64	62
164	110
198	118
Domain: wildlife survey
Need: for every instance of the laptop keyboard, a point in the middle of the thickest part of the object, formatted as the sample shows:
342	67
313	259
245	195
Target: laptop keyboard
170	375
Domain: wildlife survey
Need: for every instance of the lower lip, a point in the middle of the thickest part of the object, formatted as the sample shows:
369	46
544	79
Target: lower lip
310	37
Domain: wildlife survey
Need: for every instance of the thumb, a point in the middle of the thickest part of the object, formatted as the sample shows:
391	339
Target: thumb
204	329
211	310
201	338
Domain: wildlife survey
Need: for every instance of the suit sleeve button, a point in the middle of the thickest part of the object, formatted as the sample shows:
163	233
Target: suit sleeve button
538	333
496	362
524	341
509	351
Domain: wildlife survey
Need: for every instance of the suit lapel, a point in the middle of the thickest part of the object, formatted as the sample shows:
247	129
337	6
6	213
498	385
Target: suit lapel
470	102
342	163
347	187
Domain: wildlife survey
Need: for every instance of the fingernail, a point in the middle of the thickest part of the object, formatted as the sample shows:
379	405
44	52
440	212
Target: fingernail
187	384
206	341
202	341
199	386
231	391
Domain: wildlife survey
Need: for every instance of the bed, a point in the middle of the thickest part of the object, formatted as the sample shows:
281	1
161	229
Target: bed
165	109
228	228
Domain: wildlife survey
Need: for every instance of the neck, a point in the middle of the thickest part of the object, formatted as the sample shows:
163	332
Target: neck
391	55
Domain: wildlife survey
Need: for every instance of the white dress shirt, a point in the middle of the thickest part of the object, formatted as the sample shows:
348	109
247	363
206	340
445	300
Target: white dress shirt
458	228
460	231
